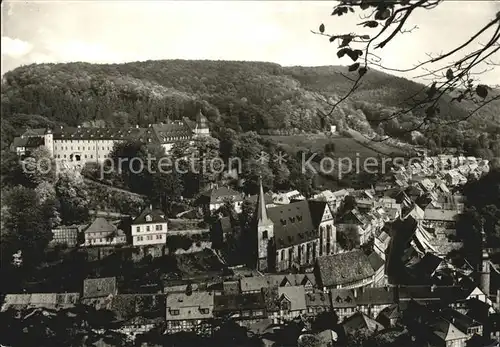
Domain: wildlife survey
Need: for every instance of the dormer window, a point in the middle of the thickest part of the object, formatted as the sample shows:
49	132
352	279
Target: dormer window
174	312
204	310
148	218
264	235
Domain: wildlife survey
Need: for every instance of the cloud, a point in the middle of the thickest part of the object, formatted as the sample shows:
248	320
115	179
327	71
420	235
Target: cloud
15	48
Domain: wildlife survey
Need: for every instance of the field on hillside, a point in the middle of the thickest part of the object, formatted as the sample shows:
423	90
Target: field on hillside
345	147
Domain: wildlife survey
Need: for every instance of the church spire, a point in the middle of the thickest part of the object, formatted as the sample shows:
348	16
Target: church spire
262	218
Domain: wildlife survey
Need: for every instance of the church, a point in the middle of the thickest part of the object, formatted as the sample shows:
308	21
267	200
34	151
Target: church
292	236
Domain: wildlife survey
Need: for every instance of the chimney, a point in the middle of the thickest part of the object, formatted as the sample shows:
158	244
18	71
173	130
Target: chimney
151	207
433	288
79	126
137	126
355	293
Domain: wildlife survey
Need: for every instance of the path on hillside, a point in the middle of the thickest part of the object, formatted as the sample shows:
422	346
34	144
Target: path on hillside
104	185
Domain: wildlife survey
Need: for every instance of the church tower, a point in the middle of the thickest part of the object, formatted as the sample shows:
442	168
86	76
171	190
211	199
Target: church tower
484	279
265	232
201	127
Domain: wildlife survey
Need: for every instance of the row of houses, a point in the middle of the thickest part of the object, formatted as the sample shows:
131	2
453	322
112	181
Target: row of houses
150	227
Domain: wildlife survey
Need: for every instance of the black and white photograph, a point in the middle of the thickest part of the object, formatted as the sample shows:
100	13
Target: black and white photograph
250	173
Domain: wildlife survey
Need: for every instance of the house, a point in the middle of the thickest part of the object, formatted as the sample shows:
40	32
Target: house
317	303
215	198
66	235
372	301
220	231
292	235
381	243
23	145
343	302
378	266
390	316
189	312
98	292
149	228
137	313
446	334
243	308
363	224
344	270
463	322
103	233
359	321
285	198
52	301
285	303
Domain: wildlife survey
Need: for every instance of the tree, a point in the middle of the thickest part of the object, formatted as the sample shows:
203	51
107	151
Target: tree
452	73
325	320
348	238
26	225
72	193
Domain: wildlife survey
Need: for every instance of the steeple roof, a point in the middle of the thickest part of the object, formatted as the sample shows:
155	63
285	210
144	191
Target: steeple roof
261	215
201	120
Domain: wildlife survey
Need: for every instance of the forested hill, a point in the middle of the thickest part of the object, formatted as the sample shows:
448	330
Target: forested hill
264	97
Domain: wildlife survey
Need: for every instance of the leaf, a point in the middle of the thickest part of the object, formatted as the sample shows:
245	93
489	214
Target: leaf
342	52
370	24
351	9
362	71
322	28
382	14
432	91
430	112
449	74
354	55
365	37
354	67
346	41
364	5
482	90
333	38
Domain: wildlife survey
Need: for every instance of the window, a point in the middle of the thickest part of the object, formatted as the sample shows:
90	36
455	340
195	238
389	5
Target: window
148	228
159	227
78	147
148	218
159	237
139	238
138	229
150	237
264	235
285	305
246	313
204	310
174	312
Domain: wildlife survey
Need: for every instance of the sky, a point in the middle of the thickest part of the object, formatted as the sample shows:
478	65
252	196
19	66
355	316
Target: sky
121	31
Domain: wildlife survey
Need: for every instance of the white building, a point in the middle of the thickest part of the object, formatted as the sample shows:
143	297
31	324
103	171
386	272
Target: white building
81	145
149	228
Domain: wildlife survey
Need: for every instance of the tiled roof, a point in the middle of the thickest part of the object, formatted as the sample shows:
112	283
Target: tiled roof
128	306
222	194
344	268
28	142
295	294
157	216
428	264
236	302
375	261
156	133
361	321
318	299
190	306
100	225
99	287
342	298
440	215
446	331
317	209
375	296
292	224
248	284
45	300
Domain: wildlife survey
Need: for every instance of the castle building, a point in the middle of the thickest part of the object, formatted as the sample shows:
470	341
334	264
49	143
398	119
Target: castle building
81	145
292	235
